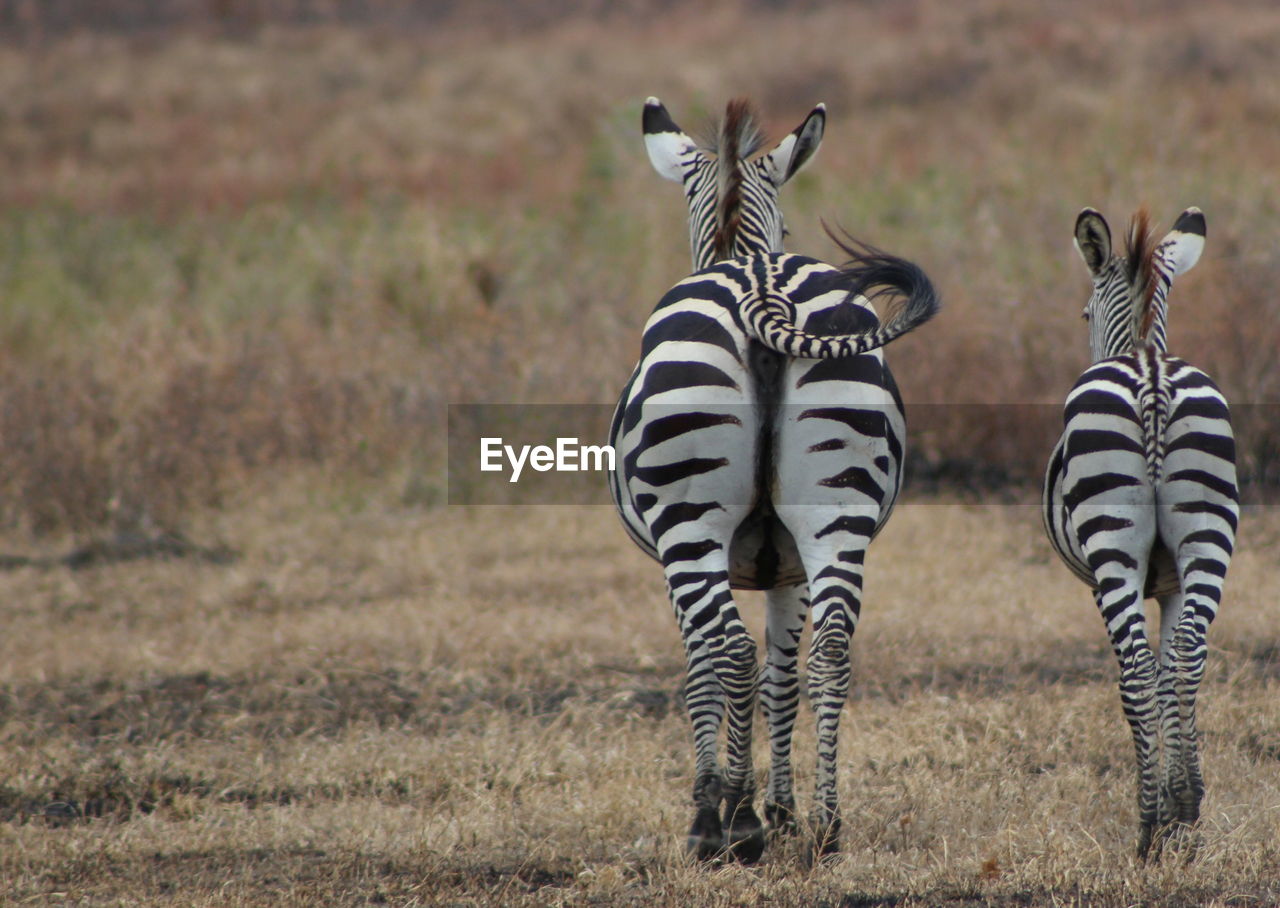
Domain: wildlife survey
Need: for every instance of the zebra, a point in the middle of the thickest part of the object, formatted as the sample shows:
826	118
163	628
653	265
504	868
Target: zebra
1140	500
759	445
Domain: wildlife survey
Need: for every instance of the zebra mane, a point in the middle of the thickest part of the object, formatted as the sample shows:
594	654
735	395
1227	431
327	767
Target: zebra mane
738	138
1140	244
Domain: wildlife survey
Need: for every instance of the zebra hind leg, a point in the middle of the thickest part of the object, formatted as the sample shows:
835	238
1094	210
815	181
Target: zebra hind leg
737	669
1203	538
1170	727
721	689
829	676
832	541
704	702
780	699
1187	782
1121	607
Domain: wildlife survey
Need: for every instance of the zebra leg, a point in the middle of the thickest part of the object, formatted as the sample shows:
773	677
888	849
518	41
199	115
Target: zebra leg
721	684
1138	699
836	608
1187	783
1199	525
780	698
1116	538
737	669
832	544
704	702
1200	605
1170	727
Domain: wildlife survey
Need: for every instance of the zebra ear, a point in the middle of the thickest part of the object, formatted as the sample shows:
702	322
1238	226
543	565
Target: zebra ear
1181	249
1093	239
797	149
668	146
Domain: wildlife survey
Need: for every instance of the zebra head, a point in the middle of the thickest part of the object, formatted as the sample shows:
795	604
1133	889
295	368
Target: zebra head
732	192
1127	309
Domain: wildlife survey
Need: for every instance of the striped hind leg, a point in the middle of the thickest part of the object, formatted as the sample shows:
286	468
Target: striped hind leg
1181	669
1167	698
1138	676
720	686
832	542
1117	541
1203	537
786	608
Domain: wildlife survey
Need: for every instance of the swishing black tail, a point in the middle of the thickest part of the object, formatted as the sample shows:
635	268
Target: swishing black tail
869	273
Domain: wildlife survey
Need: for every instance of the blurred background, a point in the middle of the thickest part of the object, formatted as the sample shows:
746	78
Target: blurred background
242	240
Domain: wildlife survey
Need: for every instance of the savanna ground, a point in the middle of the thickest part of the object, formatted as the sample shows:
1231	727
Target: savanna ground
368	707
250	252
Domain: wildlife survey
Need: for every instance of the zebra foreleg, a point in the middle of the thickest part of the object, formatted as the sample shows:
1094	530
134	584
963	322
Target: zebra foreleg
780	699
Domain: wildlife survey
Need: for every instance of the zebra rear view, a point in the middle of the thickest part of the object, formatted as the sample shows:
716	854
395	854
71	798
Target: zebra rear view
760	444
1140	500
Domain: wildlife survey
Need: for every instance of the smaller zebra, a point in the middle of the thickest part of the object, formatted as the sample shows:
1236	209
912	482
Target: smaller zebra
1140	500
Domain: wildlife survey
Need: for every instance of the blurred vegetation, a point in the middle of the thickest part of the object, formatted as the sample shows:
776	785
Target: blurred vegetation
231	252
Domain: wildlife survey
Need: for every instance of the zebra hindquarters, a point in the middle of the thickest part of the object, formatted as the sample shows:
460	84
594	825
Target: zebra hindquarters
837	452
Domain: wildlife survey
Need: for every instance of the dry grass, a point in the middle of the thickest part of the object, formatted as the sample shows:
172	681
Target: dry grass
370	706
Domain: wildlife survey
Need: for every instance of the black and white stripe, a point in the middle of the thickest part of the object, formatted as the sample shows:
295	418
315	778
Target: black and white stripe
760	444
1140	500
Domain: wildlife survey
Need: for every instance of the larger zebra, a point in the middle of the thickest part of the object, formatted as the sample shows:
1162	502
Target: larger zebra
1140	500
759	445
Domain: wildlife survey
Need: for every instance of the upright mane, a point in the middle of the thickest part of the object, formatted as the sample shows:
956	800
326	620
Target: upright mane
738	138
1140	244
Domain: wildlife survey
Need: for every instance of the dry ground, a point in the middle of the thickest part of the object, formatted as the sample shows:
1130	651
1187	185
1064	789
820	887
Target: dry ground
382	705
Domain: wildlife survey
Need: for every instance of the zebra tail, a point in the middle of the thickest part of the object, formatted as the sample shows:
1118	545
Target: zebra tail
869	268
868	275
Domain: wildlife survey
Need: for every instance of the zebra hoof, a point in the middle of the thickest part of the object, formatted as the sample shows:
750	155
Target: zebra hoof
780	818
706	840
745	833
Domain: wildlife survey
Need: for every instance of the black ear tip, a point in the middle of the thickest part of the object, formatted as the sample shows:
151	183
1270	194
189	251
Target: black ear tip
1087	214
656	118
1191	221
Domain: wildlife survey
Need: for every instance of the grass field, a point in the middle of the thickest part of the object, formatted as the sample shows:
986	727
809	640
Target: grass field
366	707
251	253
